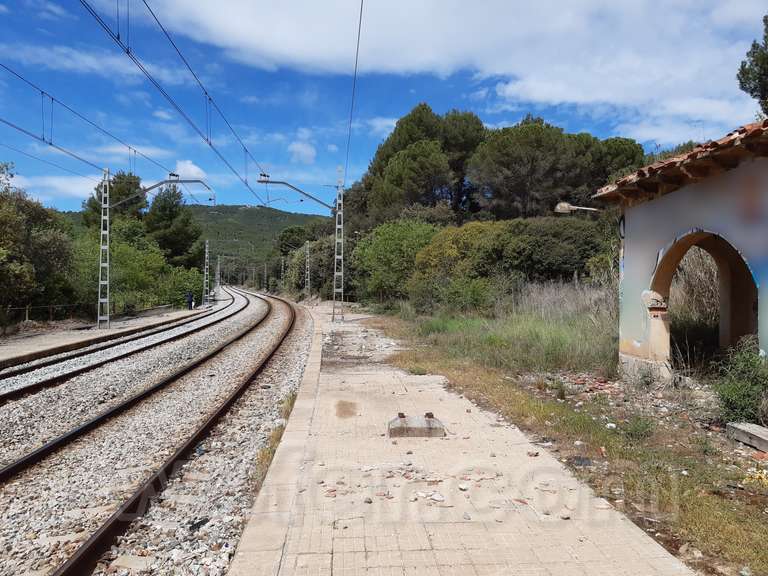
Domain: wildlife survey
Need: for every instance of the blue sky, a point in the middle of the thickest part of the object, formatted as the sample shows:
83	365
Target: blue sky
281	72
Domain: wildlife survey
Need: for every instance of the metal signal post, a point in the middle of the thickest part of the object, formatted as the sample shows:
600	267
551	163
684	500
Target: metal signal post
206	279
338	260
102	310
306	269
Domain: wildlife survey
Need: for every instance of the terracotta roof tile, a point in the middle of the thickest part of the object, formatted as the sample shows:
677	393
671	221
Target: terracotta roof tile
705	160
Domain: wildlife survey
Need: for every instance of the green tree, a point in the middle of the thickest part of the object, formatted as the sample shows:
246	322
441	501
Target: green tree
421	123
385	258
172	226
291	238
519	170
418	174
551	248
124	185
621	154
753	72
462	134
35	251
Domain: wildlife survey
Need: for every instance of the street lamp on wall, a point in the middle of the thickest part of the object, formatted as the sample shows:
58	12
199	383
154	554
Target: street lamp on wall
567	208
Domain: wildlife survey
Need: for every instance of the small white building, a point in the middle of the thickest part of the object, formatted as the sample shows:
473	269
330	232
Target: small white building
714	197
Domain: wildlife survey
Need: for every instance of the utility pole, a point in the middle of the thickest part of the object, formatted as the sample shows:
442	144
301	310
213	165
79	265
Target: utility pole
266	284
338	260
102	310
282	273
206	279
218	271
306	269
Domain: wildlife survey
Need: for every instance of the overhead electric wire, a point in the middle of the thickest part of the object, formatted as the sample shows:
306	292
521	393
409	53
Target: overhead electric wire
44	141
354	89
169	98
200	83
43	160
131	148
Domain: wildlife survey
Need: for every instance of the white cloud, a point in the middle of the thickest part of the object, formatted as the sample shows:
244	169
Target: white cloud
332	148
380	126
48	10
130	98
56	187
188	169
162	114
119	153
302	152
479	94
107	64
639	58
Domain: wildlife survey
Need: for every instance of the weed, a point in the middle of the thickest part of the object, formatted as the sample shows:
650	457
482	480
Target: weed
638	428
287	406
704	445
743	382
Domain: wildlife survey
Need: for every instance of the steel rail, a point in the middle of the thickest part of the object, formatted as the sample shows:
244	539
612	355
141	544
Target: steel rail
135	334
17	393
51	446
32	356
88	554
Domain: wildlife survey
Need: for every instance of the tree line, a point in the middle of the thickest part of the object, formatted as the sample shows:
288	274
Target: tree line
51	258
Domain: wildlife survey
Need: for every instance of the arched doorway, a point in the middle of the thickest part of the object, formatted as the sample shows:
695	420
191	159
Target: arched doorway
738	292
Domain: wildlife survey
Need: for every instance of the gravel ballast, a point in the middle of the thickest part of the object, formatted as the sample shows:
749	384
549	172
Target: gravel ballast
49	509
29	422
194	526
102	352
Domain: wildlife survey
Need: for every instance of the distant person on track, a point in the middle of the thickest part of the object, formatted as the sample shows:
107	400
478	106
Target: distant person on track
190	301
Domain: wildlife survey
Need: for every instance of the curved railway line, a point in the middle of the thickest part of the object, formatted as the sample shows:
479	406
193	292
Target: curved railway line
86	555
14	393
26	362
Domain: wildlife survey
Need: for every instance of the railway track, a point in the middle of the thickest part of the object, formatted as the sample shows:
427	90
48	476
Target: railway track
27	362
15	390
84	558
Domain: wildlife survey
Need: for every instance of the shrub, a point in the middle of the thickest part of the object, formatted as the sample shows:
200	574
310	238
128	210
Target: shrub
385	258
502	254
551	248
743	383
466	295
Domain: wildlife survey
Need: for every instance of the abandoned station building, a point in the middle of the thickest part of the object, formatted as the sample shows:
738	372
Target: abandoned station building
714	197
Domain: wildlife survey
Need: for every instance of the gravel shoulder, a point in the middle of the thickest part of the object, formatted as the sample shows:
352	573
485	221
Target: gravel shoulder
49	509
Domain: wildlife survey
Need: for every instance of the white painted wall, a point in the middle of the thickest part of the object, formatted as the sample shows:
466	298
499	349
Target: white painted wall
733	205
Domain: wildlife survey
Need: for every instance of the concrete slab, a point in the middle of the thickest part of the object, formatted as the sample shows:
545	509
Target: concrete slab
343	498
749	434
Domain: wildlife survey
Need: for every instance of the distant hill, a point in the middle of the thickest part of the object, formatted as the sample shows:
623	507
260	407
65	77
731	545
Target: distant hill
254	224
222	224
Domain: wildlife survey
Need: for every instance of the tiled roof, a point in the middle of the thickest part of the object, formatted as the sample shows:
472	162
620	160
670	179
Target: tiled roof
702	162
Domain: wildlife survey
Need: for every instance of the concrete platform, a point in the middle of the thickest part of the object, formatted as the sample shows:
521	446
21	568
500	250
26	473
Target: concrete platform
23	348
343	498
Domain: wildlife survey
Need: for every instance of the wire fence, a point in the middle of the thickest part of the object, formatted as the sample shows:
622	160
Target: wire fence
12	315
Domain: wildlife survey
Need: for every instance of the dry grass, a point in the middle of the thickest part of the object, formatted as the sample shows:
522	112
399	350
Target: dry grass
266	454
644	468
543	326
